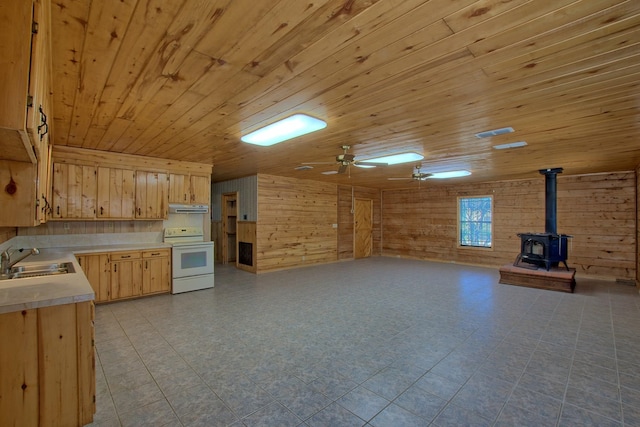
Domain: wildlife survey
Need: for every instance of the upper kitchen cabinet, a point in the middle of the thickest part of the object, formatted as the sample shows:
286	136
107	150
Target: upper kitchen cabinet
74	191
116	193
18	194
189	189
25	111
25	79
152	195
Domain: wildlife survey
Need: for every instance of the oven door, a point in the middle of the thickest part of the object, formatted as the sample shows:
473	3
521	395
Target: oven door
192	259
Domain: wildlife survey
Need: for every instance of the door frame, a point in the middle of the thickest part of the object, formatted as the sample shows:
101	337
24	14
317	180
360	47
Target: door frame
227	229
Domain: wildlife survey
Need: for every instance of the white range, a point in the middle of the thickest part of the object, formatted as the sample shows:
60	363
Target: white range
192	259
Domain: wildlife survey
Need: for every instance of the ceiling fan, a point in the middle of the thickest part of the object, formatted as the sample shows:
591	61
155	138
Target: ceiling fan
345	160
417	175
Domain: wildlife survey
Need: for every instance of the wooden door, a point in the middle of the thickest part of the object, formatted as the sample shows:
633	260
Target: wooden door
362	228
229	227
116	193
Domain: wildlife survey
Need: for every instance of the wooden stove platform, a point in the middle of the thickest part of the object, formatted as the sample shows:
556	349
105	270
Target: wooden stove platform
556	279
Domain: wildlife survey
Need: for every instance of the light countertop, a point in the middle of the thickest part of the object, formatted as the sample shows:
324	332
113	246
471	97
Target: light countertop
36	292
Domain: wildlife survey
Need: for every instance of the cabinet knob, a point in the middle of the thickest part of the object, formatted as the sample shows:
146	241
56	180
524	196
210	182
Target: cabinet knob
101	210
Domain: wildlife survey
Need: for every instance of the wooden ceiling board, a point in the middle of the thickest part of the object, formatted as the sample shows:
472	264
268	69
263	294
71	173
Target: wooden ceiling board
185	80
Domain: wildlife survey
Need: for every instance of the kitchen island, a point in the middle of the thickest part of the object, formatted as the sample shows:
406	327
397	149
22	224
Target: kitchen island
47	365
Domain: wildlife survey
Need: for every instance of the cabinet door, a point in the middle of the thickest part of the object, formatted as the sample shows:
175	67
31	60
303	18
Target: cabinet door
152	195
126	275
96	267
156	271
116	193
179	191
17	194
74	191
200	189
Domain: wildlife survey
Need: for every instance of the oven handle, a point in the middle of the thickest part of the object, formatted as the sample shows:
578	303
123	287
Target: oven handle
196	246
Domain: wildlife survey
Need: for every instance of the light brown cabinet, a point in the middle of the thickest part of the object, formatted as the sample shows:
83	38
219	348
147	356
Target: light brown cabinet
116	193
48	366
97	269
156	271
25	78
74	191
121	275
126	275
189	189
152	195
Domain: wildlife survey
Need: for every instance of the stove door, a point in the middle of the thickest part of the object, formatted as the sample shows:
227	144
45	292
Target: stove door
192	260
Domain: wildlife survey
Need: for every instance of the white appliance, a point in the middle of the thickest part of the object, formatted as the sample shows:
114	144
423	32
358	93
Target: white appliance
192	259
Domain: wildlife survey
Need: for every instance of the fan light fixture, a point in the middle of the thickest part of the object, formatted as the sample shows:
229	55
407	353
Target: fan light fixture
450	174
291	127
395	159
510	145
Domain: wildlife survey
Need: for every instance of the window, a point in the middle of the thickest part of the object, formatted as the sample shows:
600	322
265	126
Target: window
474	221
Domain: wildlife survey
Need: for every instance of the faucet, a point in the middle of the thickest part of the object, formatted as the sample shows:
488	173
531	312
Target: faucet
6	262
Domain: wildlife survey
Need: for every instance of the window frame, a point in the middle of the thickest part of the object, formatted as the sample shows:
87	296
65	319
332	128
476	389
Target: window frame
459	228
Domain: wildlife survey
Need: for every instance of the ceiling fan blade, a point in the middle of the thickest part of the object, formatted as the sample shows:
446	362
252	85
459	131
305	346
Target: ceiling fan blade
365	163
318	163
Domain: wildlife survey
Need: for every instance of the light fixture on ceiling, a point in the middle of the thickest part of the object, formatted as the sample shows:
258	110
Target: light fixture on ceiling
288	128
449	174
395	159
303	168
510	145
495	132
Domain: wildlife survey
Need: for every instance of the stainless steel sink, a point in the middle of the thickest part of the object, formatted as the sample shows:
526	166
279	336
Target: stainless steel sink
37	270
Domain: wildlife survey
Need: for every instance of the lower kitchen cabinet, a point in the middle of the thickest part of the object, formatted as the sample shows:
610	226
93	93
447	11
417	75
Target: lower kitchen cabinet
96	267
120	275
47	366
156	271
126	275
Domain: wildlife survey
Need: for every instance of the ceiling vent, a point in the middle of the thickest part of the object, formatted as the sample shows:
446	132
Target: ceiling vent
494	132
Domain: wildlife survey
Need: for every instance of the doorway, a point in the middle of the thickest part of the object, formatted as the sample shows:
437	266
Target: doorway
362	228
229	227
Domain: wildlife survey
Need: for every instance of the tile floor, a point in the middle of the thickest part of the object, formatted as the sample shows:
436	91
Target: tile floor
376	342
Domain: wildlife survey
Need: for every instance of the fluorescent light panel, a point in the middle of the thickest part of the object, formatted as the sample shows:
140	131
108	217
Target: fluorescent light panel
395	159
449	174
494	132
291	127
510	145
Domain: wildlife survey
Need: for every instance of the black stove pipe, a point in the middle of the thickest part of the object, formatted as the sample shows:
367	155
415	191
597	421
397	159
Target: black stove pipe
550	199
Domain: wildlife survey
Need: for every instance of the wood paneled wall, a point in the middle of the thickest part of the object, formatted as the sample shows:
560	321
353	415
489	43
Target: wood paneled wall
638	227
346	194
91	227
295	224
7	233
598	210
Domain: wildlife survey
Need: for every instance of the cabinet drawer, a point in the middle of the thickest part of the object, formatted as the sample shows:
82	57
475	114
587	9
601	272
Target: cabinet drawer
156	253
117	256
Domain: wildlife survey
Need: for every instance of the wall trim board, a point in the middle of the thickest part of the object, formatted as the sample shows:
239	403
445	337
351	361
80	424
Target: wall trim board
64	154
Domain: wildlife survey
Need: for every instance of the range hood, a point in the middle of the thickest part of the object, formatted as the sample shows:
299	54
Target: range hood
178	208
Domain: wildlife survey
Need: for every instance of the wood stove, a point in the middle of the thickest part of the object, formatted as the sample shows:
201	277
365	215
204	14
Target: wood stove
547	249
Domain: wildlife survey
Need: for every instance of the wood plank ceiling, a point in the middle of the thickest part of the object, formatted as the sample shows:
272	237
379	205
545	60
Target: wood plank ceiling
184	79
